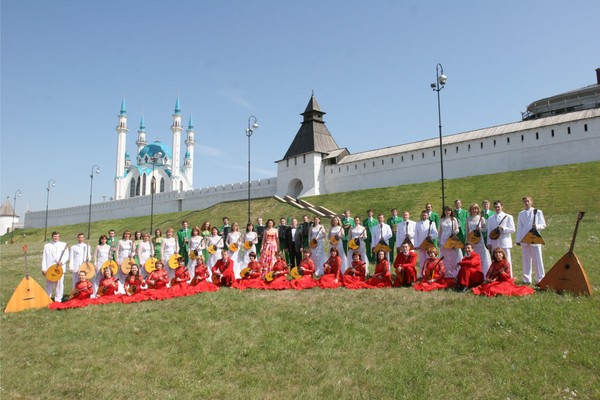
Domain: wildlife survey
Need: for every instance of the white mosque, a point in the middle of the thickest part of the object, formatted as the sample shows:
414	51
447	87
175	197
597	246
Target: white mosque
157	166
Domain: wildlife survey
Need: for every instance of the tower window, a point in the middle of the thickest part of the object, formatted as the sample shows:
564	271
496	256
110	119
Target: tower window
402	159
494	142
537	136
481	145
523	137
381	162
355	166
457	149
373	163
568	130
445	151
364	165
304	158
585	127
392	160
552	132
469	148
434	153
412	156
507	140
422	155
162	185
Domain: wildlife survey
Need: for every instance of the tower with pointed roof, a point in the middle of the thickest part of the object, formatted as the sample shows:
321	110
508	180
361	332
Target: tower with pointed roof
176	129
188	162
300	171
121	148
141	140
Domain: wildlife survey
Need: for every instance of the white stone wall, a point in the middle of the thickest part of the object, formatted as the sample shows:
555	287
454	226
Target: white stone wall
163	203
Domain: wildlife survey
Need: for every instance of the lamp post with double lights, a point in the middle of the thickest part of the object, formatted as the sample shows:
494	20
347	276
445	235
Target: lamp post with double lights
439	84
95	170
51	184
155	159
252	125
12	229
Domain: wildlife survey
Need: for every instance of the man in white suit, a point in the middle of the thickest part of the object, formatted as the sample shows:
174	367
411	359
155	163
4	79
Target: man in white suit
532	253
381	233
55	252
506	227
79	253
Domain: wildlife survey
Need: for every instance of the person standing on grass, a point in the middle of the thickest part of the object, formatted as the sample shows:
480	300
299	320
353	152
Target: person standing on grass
79	252
461	216
532	253
425	229
144	251
55	252
394	222
169	247
370	222
405	231
503	224
433	217
477	223
486	213
347	223
183	240
337	231
317	236
448	229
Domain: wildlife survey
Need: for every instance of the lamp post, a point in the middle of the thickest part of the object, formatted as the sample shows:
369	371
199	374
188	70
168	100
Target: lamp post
12	229
51	183
439	84
252	125
155	159
95	170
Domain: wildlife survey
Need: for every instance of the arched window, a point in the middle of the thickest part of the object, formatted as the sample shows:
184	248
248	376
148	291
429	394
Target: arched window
137	187
132	188
144	185
162	185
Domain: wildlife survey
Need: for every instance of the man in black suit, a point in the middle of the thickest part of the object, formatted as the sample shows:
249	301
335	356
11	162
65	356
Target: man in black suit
305	228
293	244
281	232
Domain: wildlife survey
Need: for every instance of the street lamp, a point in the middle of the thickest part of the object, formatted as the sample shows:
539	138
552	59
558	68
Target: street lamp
439	84
12	230
95	170
51	183
155	159
252	125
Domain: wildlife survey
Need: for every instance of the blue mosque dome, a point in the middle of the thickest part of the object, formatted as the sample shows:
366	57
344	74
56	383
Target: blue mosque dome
154	148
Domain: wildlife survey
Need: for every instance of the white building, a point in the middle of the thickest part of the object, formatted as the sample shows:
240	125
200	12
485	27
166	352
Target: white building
157	165
559	130
8	217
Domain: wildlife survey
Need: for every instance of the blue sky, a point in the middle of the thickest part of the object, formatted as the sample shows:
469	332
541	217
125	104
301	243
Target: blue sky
67	64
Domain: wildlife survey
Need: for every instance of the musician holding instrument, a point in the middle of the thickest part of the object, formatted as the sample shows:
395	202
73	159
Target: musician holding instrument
205	232
158	278
251	276
108	285
382	277
249	239
332	270
83	288
498	280
183	240
531	220
476	227
381	235
354	277
78	254
461	216
432	215
306	269
182	274
197	245
405	232
405	266
112	241
432	269
223	270
124	251
234	243
214	244
144	251
316	239
449	232
101	255
293	243
469	275
347	223
55	255
500	268
134	281
336	235
282	232
500	228
201	273
425	236
486	213
157	243
357	241
169	246
277	280
394	221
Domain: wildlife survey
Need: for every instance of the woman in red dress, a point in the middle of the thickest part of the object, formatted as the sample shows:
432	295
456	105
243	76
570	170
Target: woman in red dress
433	273
306	268
469	275
354	277
109	285
332	271
199	281
222	271
279	271
83	289
158	278
405	266
253	278
134	281
182	274
498	280
382	277
270	245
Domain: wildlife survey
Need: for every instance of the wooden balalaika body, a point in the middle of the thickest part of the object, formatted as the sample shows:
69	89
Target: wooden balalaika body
568	275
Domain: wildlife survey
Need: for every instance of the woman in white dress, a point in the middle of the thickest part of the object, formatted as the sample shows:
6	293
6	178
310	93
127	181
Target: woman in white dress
124	250
336	236
358	232
449	227
145	250
234	237
168	247
250	237
214	244
196	247
476	223
100	257
316	239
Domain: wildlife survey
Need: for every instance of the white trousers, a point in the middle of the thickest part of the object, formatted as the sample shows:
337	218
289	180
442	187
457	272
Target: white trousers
532	254
59	288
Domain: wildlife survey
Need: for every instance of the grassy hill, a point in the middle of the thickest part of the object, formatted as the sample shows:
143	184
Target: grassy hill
374	344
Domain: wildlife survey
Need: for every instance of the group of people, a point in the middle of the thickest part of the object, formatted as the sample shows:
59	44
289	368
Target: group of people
292	254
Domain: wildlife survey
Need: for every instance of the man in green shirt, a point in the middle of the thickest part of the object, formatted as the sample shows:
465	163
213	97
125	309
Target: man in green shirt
433	217
461	215
183	239
370	222
347	224
486	213
113	242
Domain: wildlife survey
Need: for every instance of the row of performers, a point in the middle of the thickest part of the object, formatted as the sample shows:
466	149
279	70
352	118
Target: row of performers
257	276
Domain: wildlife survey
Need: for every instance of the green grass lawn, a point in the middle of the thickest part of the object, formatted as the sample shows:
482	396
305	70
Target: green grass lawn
375	344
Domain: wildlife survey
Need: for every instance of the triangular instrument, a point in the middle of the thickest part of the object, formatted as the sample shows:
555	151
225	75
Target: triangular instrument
28	295
568	275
